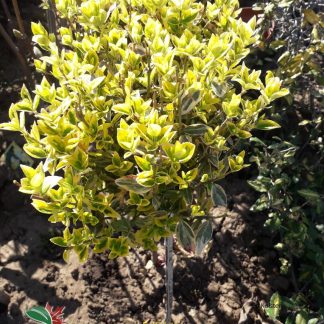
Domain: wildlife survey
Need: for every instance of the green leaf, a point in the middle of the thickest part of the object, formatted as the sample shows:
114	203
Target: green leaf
118	246
262	203
218	195
309	194
188	195
288	303
66	255
143	163
38	29
243	133
58	240
290	319
219	90
189	102
39	314
311	17
185	236
275	303
37	180
196	129
313	321
301	318
203	236
129	183
82	251
261	184
95	83
179	152
154	130
42	206
266	124
304	122
28	171
79	159
257	141
232	108
121	225
101	246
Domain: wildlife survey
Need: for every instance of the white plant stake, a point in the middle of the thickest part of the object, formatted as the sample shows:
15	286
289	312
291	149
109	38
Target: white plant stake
169	277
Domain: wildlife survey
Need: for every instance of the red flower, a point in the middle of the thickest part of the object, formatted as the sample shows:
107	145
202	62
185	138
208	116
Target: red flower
56	313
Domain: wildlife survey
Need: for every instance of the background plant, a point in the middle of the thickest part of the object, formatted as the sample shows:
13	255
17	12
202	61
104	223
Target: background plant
296	42
290	176
15	36
291	194
137	116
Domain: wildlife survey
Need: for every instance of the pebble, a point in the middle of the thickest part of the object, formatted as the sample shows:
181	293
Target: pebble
149	265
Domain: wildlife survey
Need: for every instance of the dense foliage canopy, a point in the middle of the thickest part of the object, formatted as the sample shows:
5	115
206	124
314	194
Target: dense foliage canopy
137	116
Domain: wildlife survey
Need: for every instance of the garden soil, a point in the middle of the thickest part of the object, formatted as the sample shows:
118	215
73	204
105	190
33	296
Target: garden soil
230	284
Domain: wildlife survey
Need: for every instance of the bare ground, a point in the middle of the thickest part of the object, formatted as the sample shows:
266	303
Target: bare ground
229	285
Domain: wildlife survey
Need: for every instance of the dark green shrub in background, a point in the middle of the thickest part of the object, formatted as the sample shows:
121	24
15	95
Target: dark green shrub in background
291	177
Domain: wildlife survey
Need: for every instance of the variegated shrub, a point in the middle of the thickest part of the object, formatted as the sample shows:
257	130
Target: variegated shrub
137	116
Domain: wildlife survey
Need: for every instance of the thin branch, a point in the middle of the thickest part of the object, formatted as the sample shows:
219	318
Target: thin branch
293	277
51	18
18	16
15	49
7	13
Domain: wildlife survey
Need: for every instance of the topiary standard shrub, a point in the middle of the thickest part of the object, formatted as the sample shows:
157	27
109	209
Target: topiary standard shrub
137	116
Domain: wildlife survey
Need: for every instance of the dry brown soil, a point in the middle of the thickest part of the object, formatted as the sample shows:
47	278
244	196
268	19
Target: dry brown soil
228	285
